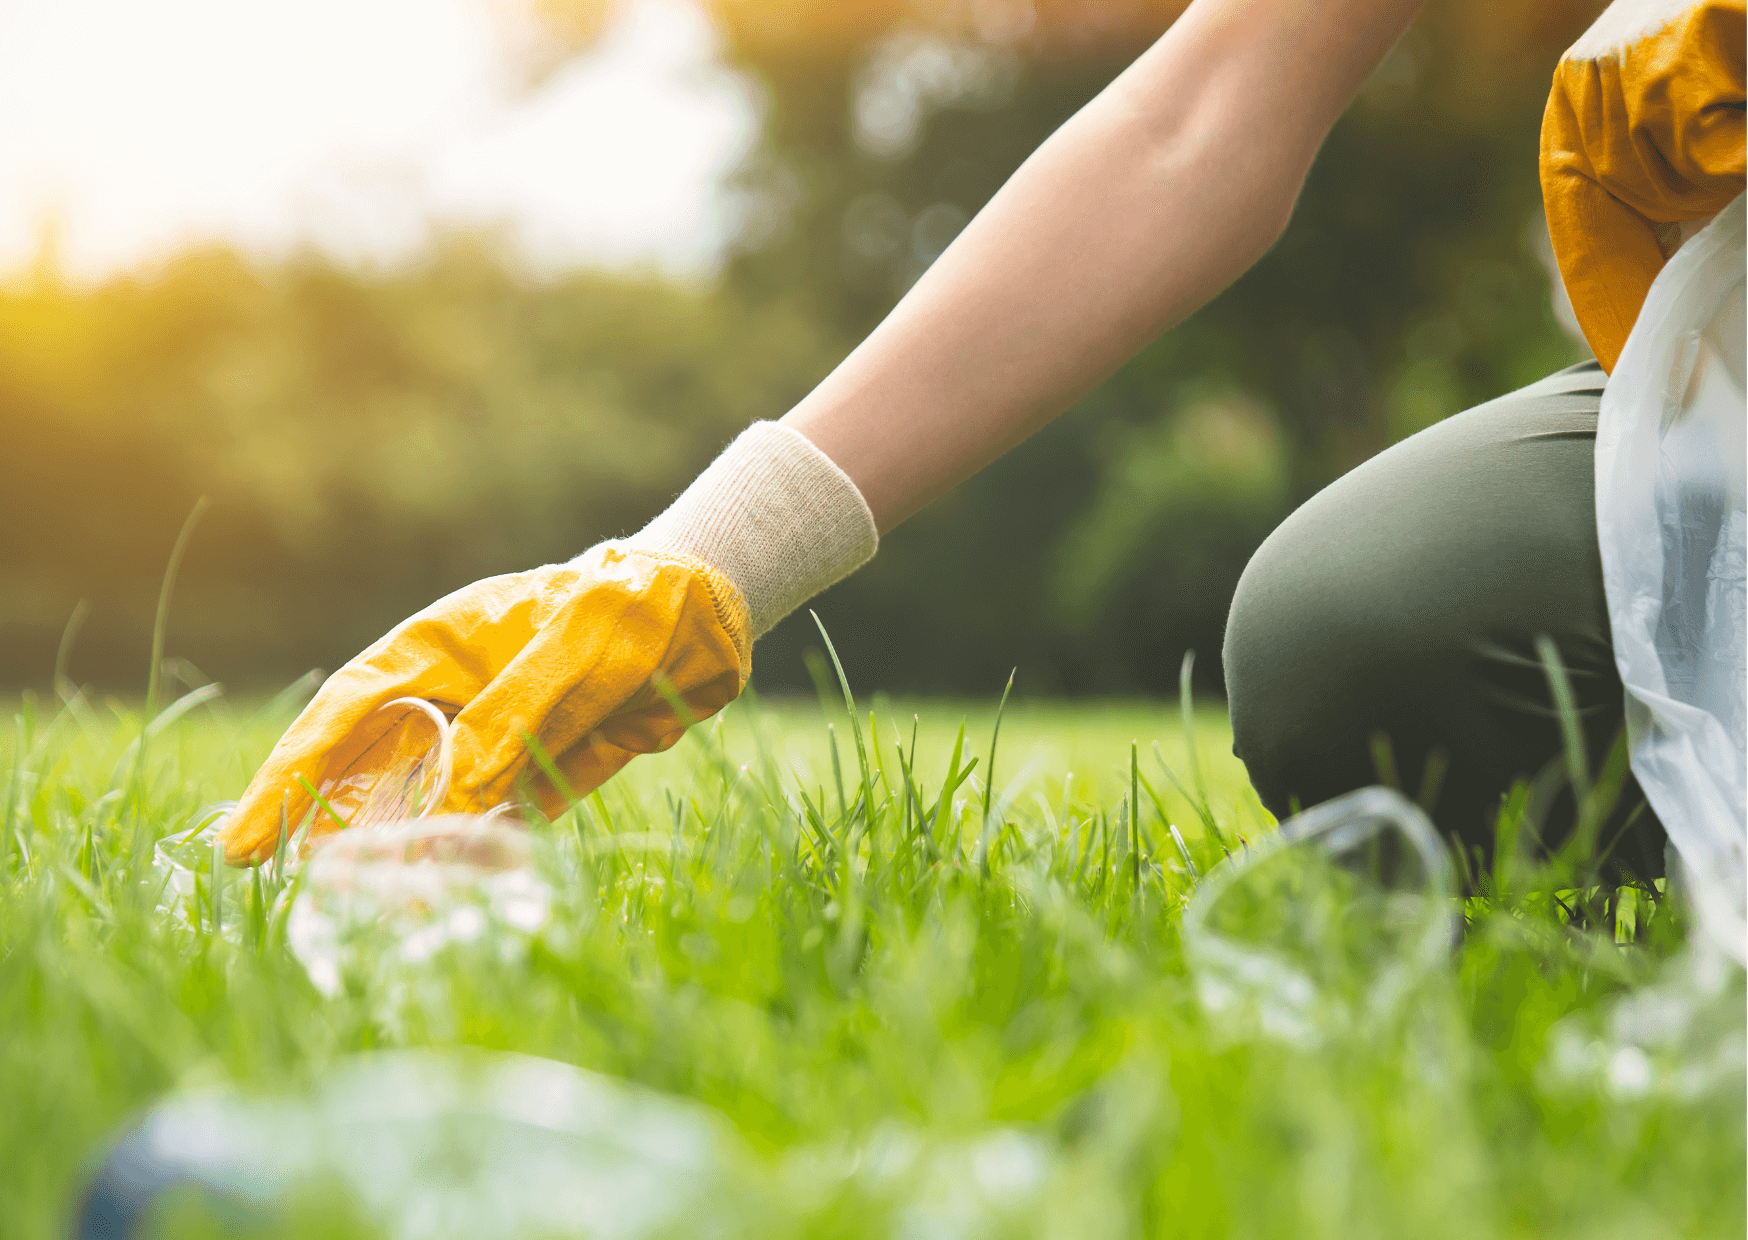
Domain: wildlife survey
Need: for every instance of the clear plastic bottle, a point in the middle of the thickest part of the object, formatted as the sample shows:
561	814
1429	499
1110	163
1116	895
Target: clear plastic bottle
1324	928
468	1145
420	1145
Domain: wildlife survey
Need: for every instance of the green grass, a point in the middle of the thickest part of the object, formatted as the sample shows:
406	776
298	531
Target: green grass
732	926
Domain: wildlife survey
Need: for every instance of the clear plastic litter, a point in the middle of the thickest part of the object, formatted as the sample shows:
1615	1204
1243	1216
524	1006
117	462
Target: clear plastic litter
1671	478
373	902
405	774
470	1145
427	1146
400	885
178	859
1679	1038
1326	928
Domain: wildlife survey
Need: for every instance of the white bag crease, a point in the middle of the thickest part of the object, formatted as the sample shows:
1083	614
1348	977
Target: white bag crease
1671	461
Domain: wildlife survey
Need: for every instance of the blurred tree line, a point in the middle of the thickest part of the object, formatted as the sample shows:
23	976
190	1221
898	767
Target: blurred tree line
373	439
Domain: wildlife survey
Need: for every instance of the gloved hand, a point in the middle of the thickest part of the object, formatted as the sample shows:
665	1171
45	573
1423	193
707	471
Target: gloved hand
578	655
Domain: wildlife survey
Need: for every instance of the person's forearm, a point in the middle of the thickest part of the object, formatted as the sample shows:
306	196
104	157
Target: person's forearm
1148	202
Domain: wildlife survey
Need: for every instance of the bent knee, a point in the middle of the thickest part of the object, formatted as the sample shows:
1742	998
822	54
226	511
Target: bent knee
1333	646
1310	678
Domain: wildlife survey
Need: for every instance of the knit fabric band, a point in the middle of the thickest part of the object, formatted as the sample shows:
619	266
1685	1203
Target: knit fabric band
776	515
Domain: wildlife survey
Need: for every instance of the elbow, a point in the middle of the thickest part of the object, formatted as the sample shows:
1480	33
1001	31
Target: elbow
1273	216
1240	180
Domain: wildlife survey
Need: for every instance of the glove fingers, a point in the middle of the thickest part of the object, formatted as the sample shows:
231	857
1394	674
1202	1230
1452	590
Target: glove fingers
650	722
569	655
444	654
584	768
630	618
329	740
621	737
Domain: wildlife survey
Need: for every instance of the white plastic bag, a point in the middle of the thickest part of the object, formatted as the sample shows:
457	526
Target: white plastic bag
1671	459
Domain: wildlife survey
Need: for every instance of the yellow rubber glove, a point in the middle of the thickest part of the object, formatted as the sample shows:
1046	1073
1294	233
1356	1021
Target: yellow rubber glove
588	658
574	655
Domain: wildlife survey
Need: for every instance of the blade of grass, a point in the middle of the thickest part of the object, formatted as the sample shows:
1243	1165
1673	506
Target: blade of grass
983	831
1506	827
1135	812
1384	761
831	736
1183	850
855	724
298	690
257	912
64	687
165	590
1202	811
914	824
1432	779
1187	706
549	768
1580	853
218	886
950	785
1565	705
159	624
322	801
284	839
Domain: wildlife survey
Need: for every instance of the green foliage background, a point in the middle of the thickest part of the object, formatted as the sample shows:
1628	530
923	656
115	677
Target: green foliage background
375	438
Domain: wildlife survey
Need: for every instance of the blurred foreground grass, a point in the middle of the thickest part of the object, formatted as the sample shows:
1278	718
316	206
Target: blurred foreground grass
731	926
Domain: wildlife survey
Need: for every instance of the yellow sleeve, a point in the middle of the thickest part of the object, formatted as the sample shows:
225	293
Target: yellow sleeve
1644	128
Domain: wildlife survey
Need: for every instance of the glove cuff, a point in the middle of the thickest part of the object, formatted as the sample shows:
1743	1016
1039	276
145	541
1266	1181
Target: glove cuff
774	514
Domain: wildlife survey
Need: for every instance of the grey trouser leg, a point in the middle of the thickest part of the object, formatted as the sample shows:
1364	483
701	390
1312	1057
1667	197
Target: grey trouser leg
1405	599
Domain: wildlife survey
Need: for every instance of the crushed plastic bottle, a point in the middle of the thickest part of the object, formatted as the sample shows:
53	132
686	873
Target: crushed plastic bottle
471	1145
372	902
399	885
1325	928
178	860
404	775
425	1146
1681	1037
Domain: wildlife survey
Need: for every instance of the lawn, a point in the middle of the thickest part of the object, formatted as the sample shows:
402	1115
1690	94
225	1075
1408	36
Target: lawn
977	1014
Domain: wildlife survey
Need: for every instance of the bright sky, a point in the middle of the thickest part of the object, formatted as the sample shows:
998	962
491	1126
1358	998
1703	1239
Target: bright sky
142	126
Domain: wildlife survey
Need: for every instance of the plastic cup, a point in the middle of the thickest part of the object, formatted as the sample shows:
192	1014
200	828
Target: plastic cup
403	775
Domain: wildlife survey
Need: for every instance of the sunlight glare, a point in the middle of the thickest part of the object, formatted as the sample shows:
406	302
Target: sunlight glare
357	125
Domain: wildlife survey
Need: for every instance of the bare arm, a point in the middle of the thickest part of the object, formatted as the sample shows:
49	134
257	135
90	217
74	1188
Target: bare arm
1148	202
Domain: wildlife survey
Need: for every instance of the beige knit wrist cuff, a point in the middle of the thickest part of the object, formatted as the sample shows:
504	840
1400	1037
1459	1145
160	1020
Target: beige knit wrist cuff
776	515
